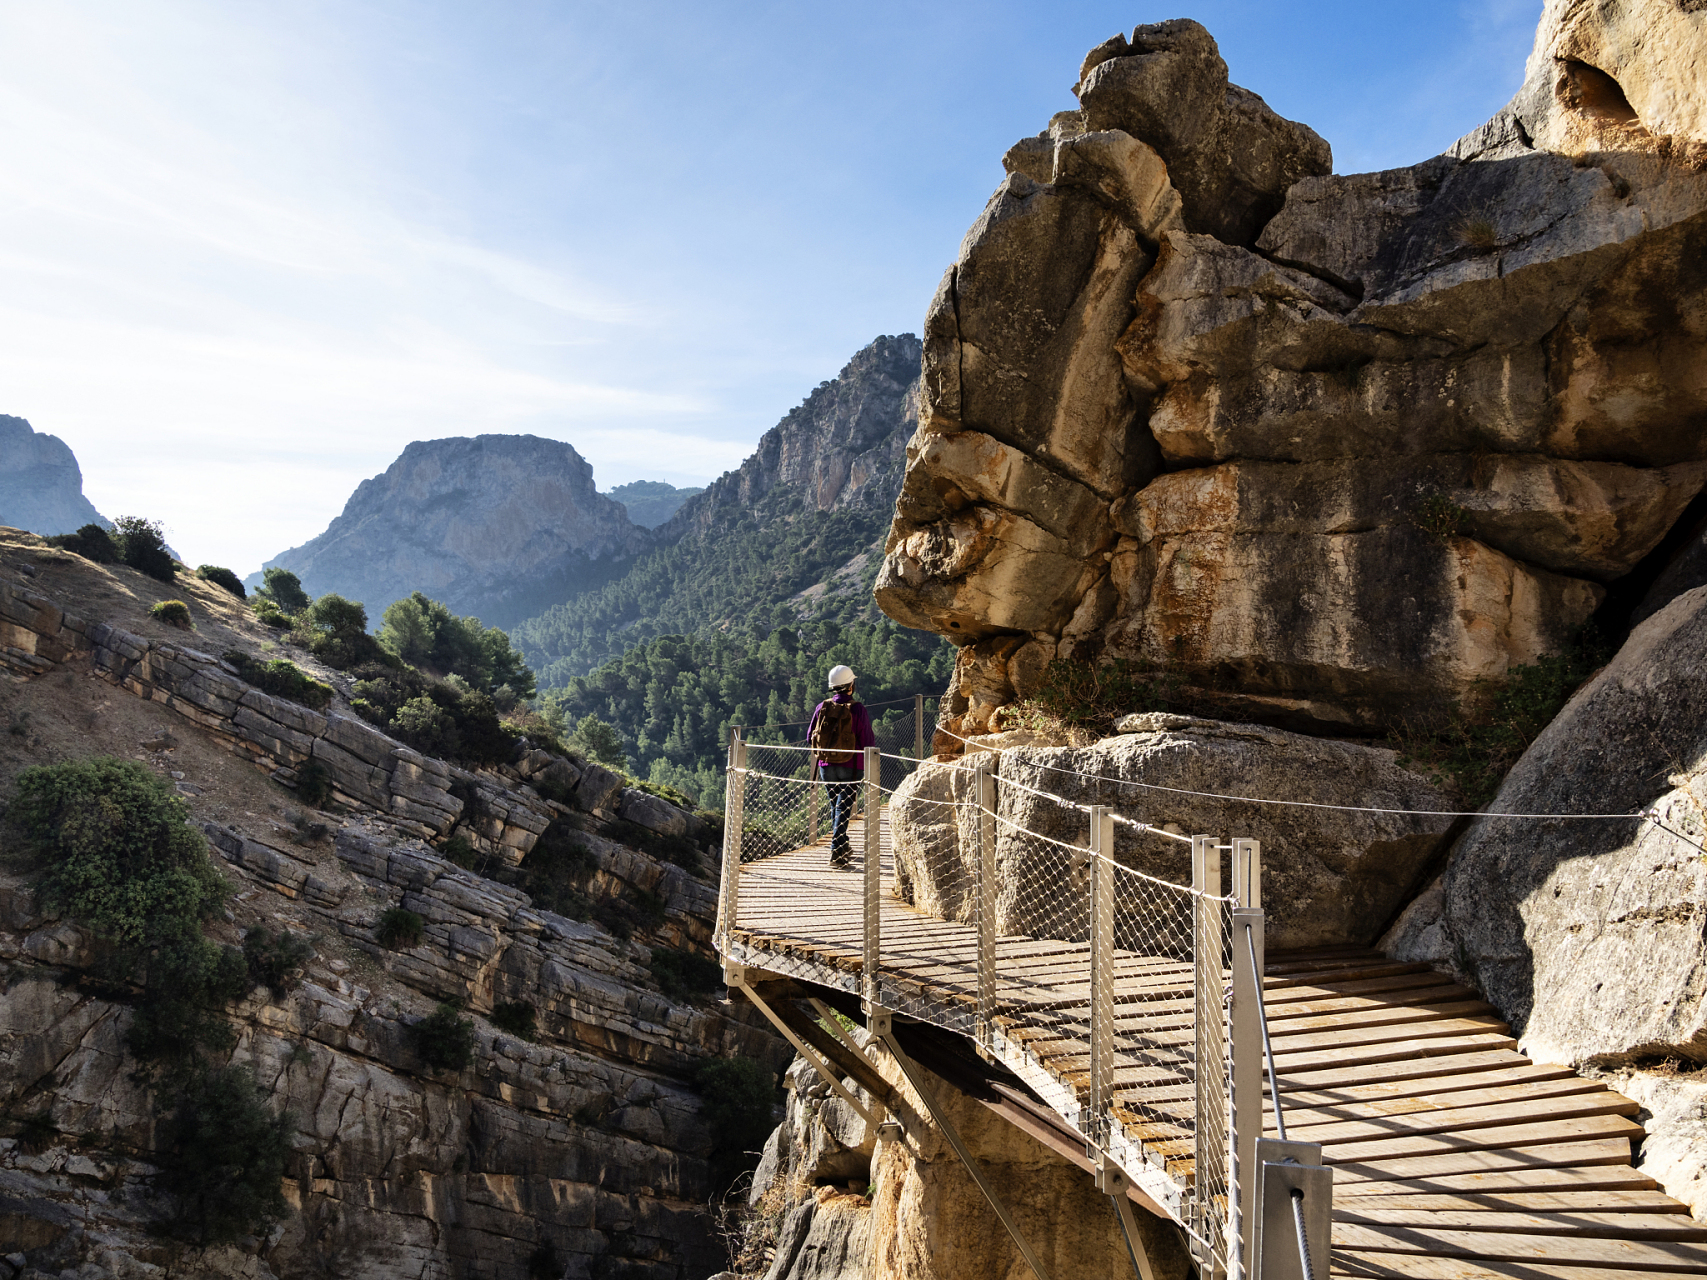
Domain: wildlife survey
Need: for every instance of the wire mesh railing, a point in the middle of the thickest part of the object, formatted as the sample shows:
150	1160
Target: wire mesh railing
1035	925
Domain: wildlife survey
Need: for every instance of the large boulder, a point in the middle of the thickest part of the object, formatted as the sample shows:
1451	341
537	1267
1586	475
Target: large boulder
1587	933
1361	442
1230	156
1330	876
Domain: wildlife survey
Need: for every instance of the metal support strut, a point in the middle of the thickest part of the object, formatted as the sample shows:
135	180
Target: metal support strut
879	1020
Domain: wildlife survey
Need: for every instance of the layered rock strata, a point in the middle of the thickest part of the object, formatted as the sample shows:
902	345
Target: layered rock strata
365	766
583	1145
1331	449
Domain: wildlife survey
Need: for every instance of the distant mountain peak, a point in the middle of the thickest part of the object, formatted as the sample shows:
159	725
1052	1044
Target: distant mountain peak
41	485
494	525
651	502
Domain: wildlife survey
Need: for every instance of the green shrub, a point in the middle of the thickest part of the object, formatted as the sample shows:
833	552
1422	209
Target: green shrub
518	1019
222	578
115	850
458	850
142	545
444	1039
92	542
270	615
314	783
1473	747
1440	517
399	927
336	632
222	1156
596	740
281	589
282	679
425	633
739	1099
275	960
682	974
433	716
173	613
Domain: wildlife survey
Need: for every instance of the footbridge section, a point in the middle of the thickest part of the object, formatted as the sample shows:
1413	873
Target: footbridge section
1298	1115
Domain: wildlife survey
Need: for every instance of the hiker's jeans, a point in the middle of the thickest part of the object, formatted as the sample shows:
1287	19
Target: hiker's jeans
844	795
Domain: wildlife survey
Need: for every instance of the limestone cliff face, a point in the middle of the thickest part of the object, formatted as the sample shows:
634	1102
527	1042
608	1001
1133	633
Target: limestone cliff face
497	526
843	446
1329	449
577	1151
41	485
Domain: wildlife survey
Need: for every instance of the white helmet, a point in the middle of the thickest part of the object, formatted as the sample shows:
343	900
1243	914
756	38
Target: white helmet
840	675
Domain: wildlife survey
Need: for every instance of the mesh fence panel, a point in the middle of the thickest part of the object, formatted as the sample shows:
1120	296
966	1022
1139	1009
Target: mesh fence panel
1005	939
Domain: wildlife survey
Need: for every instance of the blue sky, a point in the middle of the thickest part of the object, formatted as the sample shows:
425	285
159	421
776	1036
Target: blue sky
249	251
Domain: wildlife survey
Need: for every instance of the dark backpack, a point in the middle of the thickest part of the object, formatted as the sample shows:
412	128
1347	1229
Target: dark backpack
833	737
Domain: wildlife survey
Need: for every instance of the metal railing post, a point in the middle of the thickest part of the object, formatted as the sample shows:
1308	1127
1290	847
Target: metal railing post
1245	1126
918	726
734	796
1210	1086
812	790
1102	974
873	871
986	779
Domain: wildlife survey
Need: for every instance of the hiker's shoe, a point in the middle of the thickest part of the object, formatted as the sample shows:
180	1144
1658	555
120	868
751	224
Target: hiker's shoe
842	860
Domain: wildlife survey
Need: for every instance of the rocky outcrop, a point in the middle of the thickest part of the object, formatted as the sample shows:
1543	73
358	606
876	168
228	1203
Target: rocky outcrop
1344	446
830	1202
1591	946
1329	877
41	485
496	526
841	447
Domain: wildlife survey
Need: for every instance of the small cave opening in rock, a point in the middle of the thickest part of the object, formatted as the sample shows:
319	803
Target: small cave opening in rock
1595	94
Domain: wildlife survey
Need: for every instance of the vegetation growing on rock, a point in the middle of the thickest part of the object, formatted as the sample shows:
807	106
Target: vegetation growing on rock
221	577
174	613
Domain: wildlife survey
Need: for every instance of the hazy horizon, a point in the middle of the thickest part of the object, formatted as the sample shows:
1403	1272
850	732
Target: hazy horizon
251	253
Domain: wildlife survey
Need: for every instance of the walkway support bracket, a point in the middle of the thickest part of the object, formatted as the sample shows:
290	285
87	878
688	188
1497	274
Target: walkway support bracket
883	1024
1295	1191
1113	1183
736	976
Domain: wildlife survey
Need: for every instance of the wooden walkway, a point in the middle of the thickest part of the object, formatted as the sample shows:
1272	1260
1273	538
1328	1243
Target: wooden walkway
1454	1156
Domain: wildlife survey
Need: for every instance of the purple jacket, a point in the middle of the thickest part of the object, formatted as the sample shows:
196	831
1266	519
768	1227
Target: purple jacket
862	727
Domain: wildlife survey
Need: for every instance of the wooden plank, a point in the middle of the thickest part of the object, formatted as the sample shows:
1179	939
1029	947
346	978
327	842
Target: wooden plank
1531	1201
1336	1002
1402	1266
1441	1172
1377	1016
1352	1037
1408	1051
1397	1097
1633	1255
1602	1179
1586	1225
1464	1120
1279	995
1547	1132
1468	1071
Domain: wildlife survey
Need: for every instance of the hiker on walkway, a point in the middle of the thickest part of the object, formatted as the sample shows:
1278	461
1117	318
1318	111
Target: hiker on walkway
841	729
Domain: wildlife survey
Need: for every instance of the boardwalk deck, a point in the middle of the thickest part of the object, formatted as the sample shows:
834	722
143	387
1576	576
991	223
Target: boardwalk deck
1455	1157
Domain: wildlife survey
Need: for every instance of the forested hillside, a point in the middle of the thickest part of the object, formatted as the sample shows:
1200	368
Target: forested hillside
673	698
759	585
